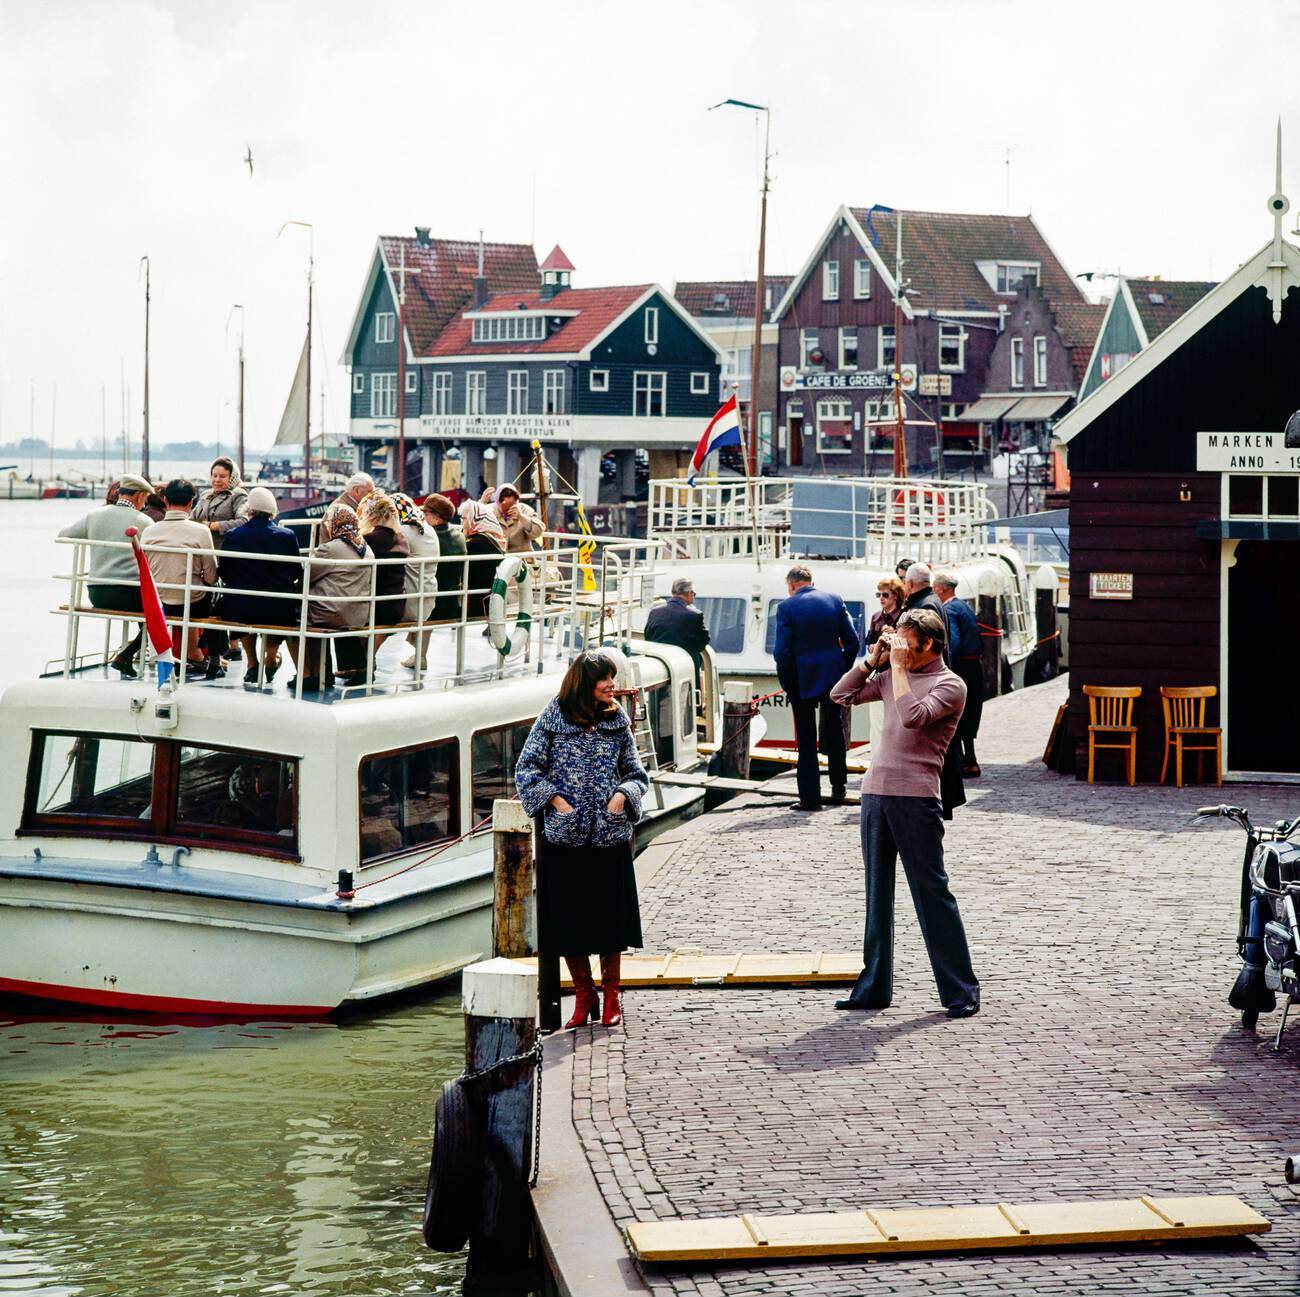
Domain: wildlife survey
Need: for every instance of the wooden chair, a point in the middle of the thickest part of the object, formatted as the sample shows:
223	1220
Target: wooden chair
1184	725
1110	716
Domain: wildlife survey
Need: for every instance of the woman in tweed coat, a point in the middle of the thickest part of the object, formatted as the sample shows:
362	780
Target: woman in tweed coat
579	772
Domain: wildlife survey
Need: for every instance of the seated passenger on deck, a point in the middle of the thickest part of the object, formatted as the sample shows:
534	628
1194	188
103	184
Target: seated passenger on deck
178	531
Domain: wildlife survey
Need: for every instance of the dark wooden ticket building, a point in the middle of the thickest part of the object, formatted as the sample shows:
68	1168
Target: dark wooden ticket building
1185	522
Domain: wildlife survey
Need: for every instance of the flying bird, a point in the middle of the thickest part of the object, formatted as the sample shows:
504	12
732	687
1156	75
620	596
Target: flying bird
248	157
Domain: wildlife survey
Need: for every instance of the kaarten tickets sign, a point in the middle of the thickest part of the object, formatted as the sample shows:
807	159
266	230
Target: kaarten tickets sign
1110	585
1245	452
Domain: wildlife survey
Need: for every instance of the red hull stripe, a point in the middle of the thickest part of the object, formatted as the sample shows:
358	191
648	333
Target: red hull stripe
158	1003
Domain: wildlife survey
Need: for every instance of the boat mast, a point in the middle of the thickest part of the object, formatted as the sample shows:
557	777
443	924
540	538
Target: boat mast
54	405
760	296
103	430
241	391
900	421
306	405
144	441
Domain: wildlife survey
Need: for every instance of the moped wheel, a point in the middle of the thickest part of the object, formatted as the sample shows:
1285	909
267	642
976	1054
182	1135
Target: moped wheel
1249	1018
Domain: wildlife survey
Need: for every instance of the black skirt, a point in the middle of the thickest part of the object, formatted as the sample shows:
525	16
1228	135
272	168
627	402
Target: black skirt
588	903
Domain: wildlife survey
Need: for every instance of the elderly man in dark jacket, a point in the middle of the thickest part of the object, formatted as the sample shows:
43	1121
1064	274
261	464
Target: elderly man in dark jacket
677	623
816	643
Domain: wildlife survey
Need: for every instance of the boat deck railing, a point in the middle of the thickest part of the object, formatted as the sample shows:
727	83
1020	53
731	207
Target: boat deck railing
581	591
878	520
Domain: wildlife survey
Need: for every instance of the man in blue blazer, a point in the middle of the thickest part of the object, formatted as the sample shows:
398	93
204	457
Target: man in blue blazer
816	642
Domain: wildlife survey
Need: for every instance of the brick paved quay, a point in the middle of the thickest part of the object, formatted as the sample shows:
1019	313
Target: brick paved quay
1105	1062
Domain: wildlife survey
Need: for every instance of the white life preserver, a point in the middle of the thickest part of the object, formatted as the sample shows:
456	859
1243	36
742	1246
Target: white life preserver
513	569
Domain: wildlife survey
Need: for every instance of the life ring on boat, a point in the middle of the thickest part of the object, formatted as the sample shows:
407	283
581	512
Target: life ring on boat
513	569
451	1200
915	498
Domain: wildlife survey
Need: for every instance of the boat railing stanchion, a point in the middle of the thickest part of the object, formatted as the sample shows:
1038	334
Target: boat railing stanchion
464	615
303	642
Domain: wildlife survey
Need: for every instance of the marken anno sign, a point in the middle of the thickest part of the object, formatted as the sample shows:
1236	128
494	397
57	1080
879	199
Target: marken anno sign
1245	452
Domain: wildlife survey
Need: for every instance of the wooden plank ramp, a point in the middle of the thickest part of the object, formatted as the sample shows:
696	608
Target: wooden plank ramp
877	1231
692	967
778	786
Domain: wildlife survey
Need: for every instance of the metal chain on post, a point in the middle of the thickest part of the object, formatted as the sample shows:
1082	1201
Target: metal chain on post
537	1121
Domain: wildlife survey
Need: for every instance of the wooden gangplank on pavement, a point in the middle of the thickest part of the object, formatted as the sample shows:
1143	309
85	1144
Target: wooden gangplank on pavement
722	783
878	1231
692	967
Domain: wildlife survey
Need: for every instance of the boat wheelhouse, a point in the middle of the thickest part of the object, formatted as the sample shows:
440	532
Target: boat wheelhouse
216	848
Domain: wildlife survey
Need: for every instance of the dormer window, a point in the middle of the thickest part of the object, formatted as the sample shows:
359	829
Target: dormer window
509	328
1012	276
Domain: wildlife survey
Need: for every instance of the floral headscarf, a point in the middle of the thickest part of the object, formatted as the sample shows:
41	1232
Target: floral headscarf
480	520
407	510
341	521
378	510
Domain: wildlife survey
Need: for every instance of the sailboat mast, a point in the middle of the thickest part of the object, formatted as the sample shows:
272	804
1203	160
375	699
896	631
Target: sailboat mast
306	405
103	430
760	294
54	405
144	444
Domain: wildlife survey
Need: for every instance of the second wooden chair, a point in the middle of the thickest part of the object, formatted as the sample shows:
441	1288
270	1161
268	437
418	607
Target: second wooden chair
1186	730
1110	717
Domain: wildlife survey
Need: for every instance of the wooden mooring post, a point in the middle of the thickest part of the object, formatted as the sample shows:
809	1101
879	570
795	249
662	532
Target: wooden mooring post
517	884
499	999
737	713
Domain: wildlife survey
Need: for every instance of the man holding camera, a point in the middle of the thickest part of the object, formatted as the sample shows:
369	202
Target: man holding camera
901	812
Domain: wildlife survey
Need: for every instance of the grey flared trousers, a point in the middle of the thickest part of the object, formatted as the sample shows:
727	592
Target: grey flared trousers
910	827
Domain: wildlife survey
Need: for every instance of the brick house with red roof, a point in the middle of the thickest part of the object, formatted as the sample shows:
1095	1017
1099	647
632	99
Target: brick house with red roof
836	332
500	351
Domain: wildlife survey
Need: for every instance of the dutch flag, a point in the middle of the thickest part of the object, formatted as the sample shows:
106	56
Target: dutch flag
155	623
723	430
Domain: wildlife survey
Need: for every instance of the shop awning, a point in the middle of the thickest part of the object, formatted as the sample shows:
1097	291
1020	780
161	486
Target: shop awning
1247	529
1029	409
989	408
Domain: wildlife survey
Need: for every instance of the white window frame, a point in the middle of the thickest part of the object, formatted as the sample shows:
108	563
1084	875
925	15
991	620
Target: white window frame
553	391
654	379
441	393
849	333
383	396
862	279
765	435
830	280
948	330
809	341
843	413
412	377
1017	362
1040	360
385	326
476	391
358	384
886	347
598	380
1000	277
517	391
699	383
508	328
652	326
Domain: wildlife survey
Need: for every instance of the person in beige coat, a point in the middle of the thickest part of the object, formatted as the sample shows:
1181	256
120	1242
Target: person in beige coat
177	530
519	522
340	582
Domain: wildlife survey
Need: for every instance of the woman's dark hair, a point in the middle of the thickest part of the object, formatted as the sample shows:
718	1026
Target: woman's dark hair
223	461
577	695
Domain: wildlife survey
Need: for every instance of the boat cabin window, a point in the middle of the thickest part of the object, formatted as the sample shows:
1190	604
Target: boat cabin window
725	619
157	790
493	755
857	611
408	799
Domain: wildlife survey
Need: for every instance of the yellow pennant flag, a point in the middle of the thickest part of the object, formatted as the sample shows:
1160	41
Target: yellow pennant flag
586	551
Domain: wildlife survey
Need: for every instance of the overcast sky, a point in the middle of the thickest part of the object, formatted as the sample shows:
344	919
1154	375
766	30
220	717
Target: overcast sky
1141	137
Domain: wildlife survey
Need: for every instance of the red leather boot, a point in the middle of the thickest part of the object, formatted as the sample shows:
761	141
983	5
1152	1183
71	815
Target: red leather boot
611	966
586	1003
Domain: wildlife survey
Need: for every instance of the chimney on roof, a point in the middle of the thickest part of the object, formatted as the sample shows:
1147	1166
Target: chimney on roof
422	235
480	279
557	270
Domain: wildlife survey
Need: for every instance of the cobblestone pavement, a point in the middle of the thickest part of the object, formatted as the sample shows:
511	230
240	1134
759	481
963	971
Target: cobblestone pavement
1105	1062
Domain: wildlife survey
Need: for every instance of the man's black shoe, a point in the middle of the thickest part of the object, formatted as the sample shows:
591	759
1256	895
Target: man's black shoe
125	666
971	770
967	1009
838	794
805	806
215	670
859	1005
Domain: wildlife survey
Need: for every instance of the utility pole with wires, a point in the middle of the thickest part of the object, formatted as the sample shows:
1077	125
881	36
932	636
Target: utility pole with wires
402	271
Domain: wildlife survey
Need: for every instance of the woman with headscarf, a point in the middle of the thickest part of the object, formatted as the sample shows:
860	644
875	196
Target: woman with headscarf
340	582
485	545
221	508
521	524
382	528
421	577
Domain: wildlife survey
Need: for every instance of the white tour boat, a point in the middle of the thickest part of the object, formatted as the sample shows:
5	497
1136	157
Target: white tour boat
736	540
216	848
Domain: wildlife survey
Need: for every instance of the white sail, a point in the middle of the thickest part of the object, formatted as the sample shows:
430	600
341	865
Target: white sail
293	422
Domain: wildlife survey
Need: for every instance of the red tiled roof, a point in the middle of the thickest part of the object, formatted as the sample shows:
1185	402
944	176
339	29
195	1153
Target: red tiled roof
557	260
728	298
1078	323
445	284
940	250
597	309
1175	297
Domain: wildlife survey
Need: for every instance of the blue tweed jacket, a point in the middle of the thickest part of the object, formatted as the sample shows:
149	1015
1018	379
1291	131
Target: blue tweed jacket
586	769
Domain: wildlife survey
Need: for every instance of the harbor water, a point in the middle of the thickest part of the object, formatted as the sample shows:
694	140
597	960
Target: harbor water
197	1158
